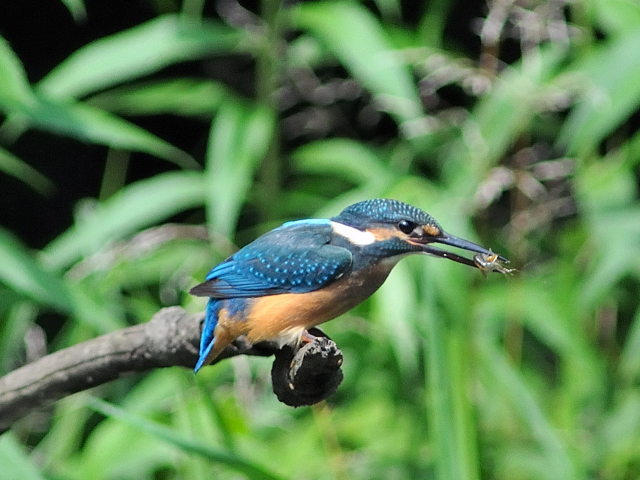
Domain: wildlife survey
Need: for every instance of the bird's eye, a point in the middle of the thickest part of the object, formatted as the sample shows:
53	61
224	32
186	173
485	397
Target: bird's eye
405	226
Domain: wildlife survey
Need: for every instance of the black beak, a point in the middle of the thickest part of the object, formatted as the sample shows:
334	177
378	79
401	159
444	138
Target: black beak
446	239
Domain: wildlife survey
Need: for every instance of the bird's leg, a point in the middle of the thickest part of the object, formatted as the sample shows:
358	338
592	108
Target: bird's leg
306	338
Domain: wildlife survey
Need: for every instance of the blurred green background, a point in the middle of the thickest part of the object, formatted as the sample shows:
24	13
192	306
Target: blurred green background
144	141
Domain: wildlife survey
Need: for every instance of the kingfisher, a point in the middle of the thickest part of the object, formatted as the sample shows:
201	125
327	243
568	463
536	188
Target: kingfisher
307	272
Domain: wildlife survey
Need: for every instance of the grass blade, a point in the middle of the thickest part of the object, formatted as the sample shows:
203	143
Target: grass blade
12	165
612	93
15	91
239	139
136	52
183	96
15	462
507	381
87	123
357	39
26	275
187	445
136	206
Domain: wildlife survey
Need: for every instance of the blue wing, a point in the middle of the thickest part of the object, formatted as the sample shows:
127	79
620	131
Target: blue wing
294	258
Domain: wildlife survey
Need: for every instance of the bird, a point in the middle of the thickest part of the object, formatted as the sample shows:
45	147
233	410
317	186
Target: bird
307	272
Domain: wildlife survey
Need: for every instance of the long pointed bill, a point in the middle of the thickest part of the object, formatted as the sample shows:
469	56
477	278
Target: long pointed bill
446	239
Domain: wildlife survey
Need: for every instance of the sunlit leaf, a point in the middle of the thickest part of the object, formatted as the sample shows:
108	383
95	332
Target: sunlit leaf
77	8
88	123
344	158
507	382
136	206
448	408
356	38
239	139
23	273
15	91
12	165
185	96
395	307
15	462
611	77
618	16
136	52
190	446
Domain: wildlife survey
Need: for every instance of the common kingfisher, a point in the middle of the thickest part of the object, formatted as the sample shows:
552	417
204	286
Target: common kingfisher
307	272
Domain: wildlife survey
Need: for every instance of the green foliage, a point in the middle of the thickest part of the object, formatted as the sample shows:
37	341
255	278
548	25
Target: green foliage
447	375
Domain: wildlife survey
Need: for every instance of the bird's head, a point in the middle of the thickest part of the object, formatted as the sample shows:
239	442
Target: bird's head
389	228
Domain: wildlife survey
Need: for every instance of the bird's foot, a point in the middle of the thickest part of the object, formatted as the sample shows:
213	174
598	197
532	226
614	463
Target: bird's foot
307	338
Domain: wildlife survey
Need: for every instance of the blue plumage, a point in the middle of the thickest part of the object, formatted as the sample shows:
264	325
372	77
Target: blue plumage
207	338
383	210
294	258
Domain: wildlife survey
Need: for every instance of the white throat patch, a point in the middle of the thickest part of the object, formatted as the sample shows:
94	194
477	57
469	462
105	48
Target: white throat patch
355	236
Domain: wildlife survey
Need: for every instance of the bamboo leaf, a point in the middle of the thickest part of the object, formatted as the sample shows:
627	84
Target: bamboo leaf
163	433
184	96
357	39
136	206
239	139
15	462
12	165
84	122
508	382
136	52
15	91
77	9
26	275
344	158
612	93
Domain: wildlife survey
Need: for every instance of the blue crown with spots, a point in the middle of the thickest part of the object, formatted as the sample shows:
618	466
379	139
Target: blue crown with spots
383	210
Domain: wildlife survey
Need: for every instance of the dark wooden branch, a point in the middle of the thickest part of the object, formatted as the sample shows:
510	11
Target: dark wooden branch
170	338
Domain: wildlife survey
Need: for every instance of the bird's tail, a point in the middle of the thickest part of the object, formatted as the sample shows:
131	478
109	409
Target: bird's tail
208	338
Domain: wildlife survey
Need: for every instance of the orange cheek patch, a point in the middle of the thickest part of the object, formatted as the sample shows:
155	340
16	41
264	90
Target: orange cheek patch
431	230
382	234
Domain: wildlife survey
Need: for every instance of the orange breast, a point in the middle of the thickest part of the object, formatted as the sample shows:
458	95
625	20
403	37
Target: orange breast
291	313
286	316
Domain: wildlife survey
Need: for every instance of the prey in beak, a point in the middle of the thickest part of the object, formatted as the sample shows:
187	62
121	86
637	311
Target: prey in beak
485	260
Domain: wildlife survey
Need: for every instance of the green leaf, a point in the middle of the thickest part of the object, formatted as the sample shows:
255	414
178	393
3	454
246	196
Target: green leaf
630	357
395	307
343	158
77	9
357	39
618	16
501	116
15	462
448	405
136	206
15	91
139	51
161	432
612	93
12	165
239	139
184	96
506	381
24	274
88	123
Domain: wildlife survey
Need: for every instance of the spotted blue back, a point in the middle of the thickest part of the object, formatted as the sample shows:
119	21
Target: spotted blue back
294	258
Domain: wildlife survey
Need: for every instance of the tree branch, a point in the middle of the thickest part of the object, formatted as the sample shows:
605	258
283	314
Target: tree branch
170	338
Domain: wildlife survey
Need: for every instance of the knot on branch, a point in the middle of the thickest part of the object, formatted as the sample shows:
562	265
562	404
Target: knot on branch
309	375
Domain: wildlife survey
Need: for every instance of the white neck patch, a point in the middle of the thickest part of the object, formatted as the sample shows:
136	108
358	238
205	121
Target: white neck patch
355	236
